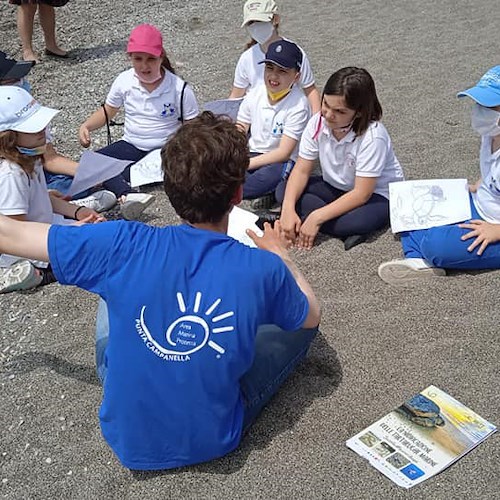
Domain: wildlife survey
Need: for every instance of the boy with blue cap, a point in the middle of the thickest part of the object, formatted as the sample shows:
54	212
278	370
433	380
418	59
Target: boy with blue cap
474	244
275	113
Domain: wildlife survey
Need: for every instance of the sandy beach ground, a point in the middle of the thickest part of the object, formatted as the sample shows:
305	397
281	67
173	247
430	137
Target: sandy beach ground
379	345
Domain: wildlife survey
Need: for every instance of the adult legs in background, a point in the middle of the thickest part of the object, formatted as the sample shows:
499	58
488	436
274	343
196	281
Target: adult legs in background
25	18
277	353
47	17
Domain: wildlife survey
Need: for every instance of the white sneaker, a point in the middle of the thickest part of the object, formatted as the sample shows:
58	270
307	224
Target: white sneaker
100	201
134	204
407	271
21	275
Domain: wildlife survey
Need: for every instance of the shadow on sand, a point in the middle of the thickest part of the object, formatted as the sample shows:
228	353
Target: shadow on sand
316	377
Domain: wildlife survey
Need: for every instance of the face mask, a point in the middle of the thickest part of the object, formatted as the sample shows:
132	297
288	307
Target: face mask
24	84
152	79
261	32
276	96
38	151
485	121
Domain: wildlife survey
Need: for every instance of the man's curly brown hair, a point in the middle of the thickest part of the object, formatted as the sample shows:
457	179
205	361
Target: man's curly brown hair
204	164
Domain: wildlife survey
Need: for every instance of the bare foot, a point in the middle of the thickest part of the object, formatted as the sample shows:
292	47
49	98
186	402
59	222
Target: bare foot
55	51
30	55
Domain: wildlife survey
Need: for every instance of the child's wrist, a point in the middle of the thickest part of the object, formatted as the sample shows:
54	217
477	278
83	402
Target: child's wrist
75	215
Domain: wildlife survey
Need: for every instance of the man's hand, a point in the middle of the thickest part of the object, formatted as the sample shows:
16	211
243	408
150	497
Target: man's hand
272	239
308	231
483	232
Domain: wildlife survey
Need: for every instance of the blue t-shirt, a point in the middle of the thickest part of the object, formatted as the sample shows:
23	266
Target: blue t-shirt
184	306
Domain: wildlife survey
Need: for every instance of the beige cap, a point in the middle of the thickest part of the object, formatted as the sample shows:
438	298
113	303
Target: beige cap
259	10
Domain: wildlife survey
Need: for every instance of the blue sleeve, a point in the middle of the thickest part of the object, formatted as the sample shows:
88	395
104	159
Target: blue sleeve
288	306
80	255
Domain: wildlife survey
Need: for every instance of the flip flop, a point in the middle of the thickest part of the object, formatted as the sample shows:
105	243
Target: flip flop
53	54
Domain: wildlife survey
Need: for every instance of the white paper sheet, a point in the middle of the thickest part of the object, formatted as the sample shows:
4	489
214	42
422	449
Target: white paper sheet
228	107
148	170
239	221
428	203
93	169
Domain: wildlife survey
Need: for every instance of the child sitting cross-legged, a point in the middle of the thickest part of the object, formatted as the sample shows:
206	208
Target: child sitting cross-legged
275	113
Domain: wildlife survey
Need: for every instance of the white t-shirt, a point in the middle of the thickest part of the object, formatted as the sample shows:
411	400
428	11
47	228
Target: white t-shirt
249	72
368	155
487	197
23	194
270	122
151	117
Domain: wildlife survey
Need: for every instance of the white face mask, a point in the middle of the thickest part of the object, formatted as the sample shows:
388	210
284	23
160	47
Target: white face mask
261	32
485	121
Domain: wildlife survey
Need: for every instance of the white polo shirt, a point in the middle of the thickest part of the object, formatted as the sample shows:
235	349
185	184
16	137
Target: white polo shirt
151	117
270	122
369	155
23	194
249	72
487	197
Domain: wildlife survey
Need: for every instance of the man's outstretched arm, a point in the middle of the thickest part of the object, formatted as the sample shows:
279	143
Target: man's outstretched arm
26	239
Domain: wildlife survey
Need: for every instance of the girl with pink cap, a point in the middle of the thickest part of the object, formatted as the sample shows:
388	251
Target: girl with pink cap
156	102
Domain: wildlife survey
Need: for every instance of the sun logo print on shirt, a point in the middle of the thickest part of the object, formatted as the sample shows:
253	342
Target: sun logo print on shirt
191	331
168	110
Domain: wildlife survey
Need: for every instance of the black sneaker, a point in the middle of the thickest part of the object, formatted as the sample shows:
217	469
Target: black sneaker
266	216
353	240
264	202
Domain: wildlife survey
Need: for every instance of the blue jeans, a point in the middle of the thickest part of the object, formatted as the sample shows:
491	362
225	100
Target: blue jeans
442	247
61	183
277	353
122	150
367	218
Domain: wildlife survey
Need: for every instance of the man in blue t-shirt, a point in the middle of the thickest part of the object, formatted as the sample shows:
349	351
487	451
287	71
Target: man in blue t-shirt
195	331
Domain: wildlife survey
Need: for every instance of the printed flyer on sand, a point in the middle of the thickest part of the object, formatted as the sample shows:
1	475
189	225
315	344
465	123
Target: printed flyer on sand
422	437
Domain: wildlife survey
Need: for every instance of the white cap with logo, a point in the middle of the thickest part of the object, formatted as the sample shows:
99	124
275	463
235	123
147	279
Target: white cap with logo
259	10
19	111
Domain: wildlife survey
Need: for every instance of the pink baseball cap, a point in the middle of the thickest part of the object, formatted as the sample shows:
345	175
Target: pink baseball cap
145	38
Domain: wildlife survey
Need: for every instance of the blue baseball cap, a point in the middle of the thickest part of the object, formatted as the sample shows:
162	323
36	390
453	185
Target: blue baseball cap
486	92
284	54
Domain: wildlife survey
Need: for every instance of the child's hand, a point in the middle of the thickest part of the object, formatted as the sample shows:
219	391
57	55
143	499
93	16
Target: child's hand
57	194
84	136
271	240
474	187
88	216
483	232
308	232
290	224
